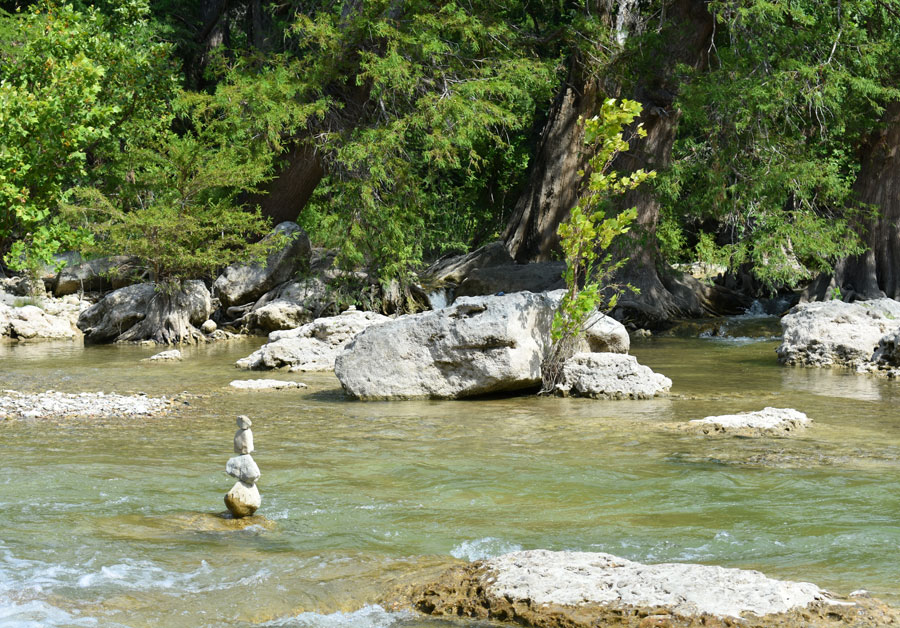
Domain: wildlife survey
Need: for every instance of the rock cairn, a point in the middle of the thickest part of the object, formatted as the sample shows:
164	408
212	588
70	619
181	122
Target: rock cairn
243	499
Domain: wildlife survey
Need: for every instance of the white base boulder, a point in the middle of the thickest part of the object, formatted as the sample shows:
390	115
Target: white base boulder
243	499
610	376
570	578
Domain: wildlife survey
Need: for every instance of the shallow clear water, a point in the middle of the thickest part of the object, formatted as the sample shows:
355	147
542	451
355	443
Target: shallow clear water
109	523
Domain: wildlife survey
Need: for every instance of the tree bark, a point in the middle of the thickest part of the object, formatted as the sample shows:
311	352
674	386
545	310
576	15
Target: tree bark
167	321
876	273
555	183
285	196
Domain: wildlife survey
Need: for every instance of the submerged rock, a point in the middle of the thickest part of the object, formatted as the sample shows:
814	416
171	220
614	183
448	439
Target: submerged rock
581	590
834	333
311	347
610	376
173	355
264	384
761	422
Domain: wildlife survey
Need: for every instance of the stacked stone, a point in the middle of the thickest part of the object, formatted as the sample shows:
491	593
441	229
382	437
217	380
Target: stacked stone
243	499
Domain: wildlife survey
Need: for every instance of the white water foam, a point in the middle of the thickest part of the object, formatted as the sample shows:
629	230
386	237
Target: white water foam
372	616
38	614
480	549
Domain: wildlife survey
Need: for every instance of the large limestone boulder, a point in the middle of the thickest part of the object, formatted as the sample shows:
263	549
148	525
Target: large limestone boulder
535	277
476	346
311	347
242	283
610	376
289	305
99	274
834	333
30	322
586	589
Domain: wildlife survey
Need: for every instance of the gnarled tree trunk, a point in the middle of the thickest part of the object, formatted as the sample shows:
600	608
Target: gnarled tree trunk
285	196
876	273
555	184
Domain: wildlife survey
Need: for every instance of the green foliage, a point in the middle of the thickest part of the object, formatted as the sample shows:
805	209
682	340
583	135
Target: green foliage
177	212
587	234
75	89
768	146
423	116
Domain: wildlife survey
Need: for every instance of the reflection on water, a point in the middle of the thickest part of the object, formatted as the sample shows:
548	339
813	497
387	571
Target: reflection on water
114	525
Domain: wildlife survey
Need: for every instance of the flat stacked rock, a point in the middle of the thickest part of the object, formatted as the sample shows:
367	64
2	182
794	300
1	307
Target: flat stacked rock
243	499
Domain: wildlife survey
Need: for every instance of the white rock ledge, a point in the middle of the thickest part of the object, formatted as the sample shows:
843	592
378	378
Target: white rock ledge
765	420
52	404
576	578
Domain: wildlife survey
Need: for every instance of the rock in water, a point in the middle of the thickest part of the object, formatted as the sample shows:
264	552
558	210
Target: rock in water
173	355
834	333
264	384
583	589
243	468
765	421
610	376
476	346
243	442
243	499
314	346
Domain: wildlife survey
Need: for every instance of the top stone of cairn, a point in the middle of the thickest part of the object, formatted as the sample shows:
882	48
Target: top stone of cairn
243	422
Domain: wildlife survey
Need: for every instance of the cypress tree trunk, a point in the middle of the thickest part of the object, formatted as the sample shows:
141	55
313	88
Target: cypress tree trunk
286	195
167	320
876	273
555	184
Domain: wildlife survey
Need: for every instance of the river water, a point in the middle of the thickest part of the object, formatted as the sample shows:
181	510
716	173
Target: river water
111	523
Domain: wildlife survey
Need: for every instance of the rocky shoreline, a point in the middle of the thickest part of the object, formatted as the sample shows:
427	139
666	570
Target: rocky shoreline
544	589
53	404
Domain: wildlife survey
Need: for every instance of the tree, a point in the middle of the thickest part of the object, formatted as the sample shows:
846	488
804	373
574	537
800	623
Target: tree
77	90
587	234
177	213
774	134
643	50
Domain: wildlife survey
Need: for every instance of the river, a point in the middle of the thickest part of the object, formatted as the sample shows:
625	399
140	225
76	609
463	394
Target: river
111	523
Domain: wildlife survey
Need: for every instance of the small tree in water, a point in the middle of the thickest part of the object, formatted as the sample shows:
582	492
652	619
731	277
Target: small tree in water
586	235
